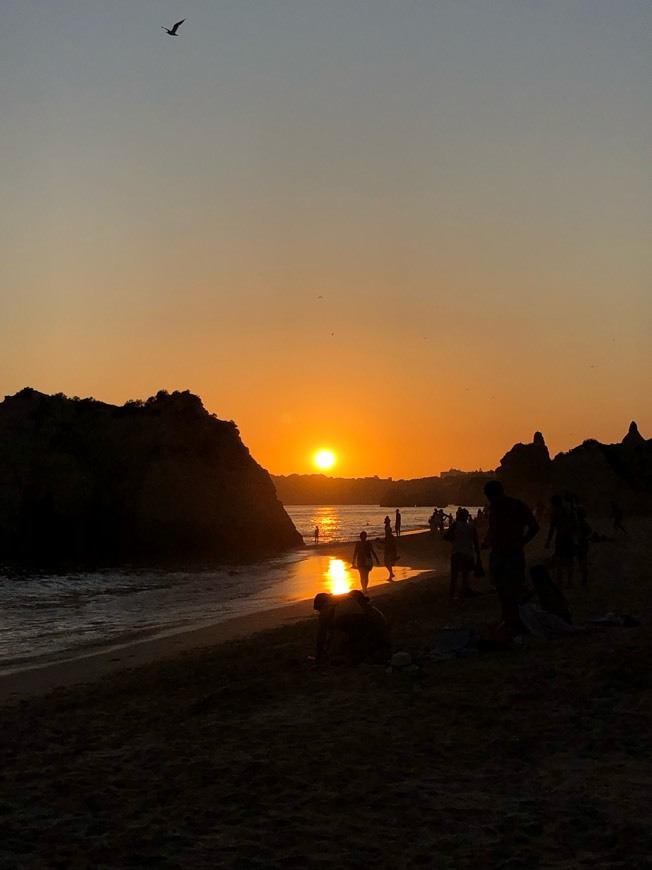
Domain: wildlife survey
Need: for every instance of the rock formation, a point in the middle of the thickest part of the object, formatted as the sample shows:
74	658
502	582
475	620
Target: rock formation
161	480
525	471
597	473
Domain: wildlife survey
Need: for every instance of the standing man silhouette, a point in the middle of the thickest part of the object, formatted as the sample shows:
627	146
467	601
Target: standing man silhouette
397	523
511	526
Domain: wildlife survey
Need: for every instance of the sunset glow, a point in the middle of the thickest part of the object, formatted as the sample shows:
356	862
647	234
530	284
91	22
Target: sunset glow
418	234
338	578
324	459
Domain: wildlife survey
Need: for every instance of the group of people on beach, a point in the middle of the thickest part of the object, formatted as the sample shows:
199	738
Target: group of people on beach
510	526
364	554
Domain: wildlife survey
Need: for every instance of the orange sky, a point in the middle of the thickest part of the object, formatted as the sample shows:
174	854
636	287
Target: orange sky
465	186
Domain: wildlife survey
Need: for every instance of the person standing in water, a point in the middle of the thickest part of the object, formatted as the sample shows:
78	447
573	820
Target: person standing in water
397	523
316	534
364	556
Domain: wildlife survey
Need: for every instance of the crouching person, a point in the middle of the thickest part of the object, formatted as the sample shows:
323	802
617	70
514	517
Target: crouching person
350	627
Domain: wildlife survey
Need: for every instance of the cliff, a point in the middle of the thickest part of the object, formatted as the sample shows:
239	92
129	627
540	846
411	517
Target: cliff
597	473
526	471
161	480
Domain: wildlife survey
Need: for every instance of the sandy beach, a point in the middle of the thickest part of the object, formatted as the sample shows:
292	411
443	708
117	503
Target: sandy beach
224	748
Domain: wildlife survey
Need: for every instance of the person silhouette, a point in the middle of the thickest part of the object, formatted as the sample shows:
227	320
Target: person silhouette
364	556
465	552
511	526
397	523
350	627
432	522
389	556
316	534
563	529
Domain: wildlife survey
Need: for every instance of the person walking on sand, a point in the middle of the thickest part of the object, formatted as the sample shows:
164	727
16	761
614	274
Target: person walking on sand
511	526
390	556
465	552
397	523
562	527
364	557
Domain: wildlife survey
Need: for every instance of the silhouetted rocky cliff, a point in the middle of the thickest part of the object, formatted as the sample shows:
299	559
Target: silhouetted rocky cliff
596	472
160	480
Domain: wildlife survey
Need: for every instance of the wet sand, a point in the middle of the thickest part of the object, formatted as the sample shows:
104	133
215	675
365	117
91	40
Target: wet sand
239	754
57	671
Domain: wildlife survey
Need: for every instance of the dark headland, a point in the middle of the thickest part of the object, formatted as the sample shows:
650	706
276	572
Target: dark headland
224	748
86	483
161	480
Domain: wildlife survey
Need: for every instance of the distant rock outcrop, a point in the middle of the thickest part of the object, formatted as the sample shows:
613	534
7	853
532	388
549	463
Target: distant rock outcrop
597	473
525	471
82	481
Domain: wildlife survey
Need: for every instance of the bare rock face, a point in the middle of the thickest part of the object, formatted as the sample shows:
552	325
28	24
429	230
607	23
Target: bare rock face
525	471
633	439
597	473
587	472
600	473
160	480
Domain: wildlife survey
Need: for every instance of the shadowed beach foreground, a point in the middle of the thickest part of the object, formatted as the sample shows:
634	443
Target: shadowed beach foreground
240	755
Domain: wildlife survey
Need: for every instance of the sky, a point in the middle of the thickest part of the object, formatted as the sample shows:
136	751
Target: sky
413	233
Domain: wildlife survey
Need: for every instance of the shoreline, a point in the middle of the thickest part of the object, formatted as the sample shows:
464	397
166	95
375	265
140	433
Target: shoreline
60	670
243	754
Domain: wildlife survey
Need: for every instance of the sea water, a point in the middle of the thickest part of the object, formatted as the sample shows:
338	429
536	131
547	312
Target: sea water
55	615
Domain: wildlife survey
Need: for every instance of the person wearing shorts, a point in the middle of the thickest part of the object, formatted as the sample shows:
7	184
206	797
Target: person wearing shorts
465	552
364	556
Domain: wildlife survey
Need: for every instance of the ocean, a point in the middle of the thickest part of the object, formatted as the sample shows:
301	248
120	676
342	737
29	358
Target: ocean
51	616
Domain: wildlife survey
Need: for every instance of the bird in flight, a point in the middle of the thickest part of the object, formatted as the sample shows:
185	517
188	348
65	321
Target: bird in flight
173	30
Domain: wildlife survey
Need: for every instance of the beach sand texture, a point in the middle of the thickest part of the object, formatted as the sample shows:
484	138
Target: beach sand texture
239	755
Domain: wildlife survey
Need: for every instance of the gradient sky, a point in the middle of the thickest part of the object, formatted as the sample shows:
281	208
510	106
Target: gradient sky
466	184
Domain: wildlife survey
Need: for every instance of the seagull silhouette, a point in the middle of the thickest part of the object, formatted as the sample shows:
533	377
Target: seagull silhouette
173	30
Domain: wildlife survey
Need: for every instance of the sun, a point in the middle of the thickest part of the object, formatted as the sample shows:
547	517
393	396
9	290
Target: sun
324	459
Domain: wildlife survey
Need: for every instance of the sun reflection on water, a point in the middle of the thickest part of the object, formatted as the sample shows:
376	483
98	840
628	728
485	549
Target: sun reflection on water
338	578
